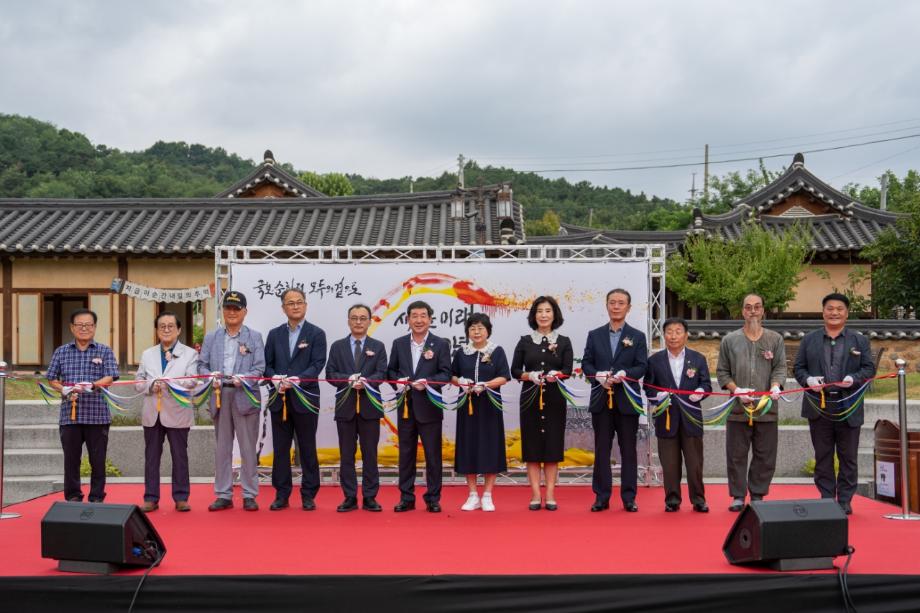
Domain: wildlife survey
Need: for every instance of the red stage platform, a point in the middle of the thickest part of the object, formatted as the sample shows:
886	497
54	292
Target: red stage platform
570	548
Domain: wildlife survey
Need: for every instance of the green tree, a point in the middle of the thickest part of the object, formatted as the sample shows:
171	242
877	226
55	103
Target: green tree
902	193
714	273
896	261
548	226
331	183
728	189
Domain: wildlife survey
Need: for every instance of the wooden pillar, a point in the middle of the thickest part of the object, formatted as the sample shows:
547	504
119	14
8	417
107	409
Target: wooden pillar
123	315
7	309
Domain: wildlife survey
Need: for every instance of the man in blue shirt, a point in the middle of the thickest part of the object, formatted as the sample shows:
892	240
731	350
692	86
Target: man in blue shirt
77	370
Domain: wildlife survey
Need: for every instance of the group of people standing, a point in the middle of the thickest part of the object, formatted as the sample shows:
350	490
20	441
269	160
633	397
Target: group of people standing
294	355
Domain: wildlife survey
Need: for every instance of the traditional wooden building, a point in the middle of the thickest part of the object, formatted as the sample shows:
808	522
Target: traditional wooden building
128	259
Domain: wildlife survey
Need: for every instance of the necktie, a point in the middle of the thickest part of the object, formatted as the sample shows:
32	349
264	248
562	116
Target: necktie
358	355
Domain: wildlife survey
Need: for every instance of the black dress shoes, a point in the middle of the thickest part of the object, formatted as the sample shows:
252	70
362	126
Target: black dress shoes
278	504
404	505
631	507
220	504
847	508
736	505
308	504
550	506
250	504
671	508
433	507
701	507
349	504
371	504
535	506
600	505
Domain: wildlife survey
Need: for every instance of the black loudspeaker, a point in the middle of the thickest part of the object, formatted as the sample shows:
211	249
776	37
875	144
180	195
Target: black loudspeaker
788	534
99	538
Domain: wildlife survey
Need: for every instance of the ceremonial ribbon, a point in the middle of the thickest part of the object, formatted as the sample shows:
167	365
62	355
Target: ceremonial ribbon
541	396
159	397
470	403
357	402
217	398
73	407
406	405
610	398
823	402
283	406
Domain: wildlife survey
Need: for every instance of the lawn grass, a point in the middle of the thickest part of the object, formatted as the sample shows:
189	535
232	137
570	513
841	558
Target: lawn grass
887	389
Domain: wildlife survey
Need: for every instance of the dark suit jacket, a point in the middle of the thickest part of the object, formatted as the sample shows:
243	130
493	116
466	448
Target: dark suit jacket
809	362
630	358
249	364
659	373
435	369
306	362
341	365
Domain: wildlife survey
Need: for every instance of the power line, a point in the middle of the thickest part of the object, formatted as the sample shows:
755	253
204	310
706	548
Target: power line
728	161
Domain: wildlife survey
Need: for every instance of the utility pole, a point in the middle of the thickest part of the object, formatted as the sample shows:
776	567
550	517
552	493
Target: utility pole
460	180
411	185
591	217
706	173
693	188
883	196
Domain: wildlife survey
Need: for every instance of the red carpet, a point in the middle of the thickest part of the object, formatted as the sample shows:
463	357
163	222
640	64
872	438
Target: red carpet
511	541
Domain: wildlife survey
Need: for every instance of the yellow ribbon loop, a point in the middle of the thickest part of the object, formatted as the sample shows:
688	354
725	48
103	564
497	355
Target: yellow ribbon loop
357	402
406	404
823	402
470	396
159	397
217	397
610	398
283	406
73	408
667	419
541	397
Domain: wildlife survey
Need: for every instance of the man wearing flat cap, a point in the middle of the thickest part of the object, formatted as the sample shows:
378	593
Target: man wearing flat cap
833	363
230	355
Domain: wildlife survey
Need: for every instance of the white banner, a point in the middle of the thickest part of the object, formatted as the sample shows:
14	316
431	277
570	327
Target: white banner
502	289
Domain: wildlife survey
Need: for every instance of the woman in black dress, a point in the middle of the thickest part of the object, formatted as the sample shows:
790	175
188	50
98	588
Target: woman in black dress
539	359
477	365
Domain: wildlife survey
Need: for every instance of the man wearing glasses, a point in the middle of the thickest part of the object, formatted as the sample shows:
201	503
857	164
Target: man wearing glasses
353	361
752	359
295	353
228	354
77	370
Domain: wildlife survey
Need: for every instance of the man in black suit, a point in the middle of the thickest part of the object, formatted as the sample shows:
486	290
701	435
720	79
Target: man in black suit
416	359
353	361
834	362
612	352
682	368
295	350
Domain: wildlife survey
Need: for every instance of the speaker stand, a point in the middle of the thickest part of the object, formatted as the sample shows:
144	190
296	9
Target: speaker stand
82	566
802	564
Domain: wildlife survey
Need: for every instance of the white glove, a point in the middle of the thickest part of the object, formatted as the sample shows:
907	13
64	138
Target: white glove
602	377
84	387
464	382
742	394
618	377
237	381
697	396
401	383
774	393
215	378
359	382
277	380
189	383
420	384
479	388
67	390
847	382
814	382
660	396
289	382
155	386
353	378
552	376
535	377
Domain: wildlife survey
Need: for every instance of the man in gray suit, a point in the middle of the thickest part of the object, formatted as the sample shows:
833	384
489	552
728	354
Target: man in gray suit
228	354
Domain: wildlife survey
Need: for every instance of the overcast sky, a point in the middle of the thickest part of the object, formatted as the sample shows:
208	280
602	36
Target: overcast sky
400	88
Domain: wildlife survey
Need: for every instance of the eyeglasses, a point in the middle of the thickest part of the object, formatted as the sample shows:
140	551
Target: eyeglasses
166	327
295	303
753	307
83	326
359	319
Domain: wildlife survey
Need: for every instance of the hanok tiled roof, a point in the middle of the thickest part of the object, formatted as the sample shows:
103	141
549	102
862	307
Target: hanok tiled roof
190	226
270	173
843	225
792	329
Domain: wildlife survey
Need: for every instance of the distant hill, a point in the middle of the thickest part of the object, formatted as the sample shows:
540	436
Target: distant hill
39	160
